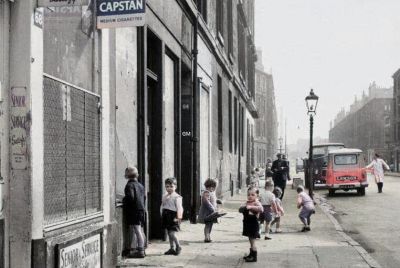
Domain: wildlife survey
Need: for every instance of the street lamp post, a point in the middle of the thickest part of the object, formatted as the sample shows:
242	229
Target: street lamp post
280	144
311	103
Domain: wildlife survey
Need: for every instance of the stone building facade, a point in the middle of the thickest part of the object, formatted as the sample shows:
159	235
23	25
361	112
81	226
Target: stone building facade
367	125
78	105
266	126
395	131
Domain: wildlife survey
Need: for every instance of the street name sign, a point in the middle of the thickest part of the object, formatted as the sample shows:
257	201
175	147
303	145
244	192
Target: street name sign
62	3
120	13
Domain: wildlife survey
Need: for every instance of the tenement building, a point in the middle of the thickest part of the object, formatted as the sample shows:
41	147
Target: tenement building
395	131
85	91
367	125
265	137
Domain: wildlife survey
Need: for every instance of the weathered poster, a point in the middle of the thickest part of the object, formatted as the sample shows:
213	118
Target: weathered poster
20	123
62	3
83	254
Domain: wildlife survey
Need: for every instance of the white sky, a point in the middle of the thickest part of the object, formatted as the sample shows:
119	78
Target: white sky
337	47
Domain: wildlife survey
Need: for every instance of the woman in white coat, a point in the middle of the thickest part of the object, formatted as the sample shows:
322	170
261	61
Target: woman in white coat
378	166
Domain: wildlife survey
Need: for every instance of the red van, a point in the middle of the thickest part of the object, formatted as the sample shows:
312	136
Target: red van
345	171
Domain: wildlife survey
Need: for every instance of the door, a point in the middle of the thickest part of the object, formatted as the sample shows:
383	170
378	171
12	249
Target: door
154	155
204	135
154	132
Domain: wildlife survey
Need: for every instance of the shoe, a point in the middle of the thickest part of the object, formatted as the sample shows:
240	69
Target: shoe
267	238
245	257
248	256
304	229
278	230
308	228
178	251
252	257
207	240
139	254
170	251
125	252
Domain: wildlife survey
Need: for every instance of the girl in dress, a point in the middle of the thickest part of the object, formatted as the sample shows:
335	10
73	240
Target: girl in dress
378	166
208	213
279	212
171	213
251	211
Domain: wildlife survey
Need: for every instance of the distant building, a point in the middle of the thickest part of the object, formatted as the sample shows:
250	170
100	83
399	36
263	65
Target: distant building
265	138
367	125
396	121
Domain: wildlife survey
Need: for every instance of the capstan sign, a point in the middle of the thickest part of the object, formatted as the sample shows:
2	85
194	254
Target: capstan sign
120	13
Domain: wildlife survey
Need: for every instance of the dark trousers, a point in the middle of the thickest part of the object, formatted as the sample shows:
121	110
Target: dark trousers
380	186
281	184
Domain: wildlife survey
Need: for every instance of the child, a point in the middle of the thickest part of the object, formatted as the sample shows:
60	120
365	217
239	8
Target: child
134	211
276	215
171	213
254	178
208	213
306	204
251	211
378	166
267	200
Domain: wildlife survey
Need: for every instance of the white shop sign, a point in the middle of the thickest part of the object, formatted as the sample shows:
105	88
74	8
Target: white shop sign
120	13
62	3
85	253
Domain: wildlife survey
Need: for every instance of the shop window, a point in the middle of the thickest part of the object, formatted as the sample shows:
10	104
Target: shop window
68	42
72	181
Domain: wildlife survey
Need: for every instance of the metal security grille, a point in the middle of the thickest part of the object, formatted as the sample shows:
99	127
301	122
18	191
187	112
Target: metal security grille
71	152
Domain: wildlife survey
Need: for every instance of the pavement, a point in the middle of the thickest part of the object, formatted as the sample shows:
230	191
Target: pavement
326	245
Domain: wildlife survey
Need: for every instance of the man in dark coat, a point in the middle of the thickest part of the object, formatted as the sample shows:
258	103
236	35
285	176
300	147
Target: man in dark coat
280	169
284	158
134	213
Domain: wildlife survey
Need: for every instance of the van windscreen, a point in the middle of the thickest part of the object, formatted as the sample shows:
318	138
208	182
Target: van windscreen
346	159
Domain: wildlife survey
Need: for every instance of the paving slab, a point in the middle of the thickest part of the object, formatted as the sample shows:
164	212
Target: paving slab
323	246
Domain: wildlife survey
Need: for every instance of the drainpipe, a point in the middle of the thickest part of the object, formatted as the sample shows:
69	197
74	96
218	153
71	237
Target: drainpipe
195	179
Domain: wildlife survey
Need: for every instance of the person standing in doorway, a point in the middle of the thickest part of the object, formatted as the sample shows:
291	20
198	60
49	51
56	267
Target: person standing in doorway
134	213
280	168
378	166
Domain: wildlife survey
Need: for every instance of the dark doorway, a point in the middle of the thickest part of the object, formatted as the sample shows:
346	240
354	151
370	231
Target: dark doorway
154	133
186	142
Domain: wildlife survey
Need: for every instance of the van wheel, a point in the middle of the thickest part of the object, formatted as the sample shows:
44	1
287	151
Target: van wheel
361	191
331	192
